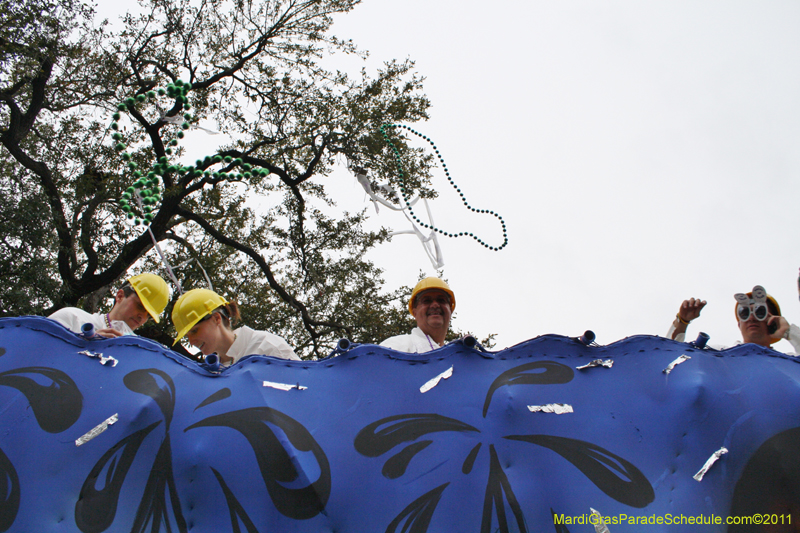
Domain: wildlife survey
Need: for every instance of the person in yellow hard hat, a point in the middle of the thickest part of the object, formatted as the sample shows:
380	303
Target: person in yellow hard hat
207	320
758	317
432	303
140	298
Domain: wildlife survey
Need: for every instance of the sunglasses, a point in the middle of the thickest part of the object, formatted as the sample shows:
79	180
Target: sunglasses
429	299
756	306
744	311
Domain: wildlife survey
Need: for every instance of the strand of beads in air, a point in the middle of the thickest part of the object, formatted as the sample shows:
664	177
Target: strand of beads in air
403	190
145	191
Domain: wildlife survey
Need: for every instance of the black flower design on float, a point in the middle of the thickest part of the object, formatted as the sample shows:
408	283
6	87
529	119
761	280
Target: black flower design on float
414	432
292	495
96	507
274	460
56	403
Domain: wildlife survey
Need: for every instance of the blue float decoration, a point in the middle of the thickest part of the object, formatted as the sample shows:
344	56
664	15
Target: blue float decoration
126	435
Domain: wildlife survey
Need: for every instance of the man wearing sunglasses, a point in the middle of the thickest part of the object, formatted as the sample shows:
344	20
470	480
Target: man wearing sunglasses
758	316
431	304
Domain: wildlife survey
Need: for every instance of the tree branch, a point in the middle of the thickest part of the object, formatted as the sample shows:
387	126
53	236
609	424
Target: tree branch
308	322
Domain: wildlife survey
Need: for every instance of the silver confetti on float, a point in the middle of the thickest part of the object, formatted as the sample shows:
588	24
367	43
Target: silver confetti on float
97	429
435	381
284	386
555	408
598	522
608	363
103	359
675	363
711	460
107	360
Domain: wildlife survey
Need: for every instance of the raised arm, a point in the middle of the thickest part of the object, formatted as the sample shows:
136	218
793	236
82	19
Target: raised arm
688	311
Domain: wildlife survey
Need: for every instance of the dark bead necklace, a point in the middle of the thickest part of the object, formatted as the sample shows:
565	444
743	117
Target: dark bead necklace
450	179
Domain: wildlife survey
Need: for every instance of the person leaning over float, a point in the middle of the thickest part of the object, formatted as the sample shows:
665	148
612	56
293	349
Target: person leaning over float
206	319
758	317
431	304
140	298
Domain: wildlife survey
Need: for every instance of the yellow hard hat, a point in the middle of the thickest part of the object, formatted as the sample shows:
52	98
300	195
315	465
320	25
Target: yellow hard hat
191	307
152	291
431	283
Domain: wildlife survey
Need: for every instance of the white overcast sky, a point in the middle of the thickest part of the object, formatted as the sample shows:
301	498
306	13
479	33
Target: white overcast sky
640	153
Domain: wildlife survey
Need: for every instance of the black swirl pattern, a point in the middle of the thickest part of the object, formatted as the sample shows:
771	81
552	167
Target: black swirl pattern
56	404
275	461
615	476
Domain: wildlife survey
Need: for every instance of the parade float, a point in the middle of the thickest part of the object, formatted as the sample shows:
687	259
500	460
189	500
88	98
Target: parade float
553	434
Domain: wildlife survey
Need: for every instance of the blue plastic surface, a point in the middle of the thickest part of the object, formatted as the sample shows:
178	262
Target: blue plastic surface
362	449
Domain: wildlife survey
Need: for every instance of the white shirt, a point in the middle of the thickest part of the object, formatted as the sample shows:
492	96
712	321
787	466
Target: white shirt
252	342
73	319
415	342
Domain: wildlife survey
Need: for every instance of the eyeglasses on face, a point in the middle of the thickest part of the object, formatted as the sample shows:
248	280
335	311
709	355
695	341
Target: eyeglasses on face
440	299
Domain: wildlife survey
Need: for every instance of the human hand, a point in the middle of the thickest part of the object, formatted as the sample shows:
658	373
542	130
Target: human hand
690	309
108	333
781	324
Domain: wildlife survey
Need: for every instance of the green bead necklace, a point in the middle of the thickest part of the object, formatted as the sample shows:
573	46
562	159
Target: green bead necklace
140	201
